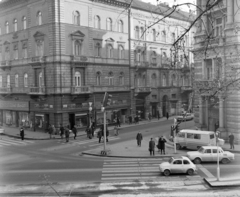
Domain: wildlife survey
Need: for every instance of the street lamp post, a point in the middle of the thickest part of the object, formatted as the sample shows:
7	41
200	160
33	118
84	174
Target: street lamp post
104	128
90	110
174	131
218	168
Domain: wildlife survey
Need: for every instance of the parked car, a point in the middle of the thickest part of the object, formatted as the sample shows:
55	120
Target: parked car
209	154
177	165
1	130
185	117
194	139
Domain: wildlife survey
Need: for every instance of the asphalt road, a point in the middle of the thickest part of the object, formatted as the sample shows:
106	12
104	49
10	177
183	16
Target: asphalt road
58	162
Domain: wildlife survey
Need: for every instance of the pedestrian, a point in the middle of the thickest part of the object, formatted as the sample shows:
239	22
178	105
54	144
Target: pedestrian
22	133
231	141
116	130
67	133
167	115
53	130
50	131
118	122
99	136
107	134
161	144
158	115
93	128
74	130
139	139
61	131
151	147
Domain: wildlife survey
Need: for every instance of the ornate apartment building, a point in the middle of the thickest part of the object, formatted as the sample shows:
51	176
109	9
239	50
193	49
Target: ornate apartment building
216	57
58	57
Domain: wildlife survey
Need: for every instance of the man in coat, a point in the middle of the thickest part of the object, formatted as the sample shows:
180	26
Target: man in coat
67	133
139	139
161	144
231	141
22	133
50	130
151	147
118	122
61	131
167	115
74	130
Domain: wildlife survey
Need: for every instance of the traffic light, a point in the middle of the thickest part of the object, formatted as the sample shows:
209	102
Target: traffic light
107	99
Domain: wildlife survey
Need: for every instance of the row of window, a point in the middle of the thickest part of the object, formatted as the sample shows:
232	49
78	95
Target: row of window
23	23
16	80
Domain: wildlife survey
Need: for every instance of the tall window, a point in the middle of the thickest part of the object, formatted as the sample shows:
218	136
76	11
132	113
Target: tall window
39	18
137	32
109	24
154	58
109	51
164	36
97	22
16	80
208	69
142	33
7	27
144	80
164	80
154	80
77	48
77	78
174	81
98	50
76	18
25	80
154	35
121	52
24	51
7	53
15	52
15	25
39	48
120	26
173	37
218	27
24	22
1	83
110	79
8	81
0	56
98	78
121	79
40	79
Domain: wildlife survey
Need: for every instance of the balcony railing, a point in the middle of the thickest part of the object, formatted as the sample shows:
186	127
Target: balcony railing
142	89
81	90
141	64
38	59
5	63
101	60
5	90
24	90
110	88
37	90
186	88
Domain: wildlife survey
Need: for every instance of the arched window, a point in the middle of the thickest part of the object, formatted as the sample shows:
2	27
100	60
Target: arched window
40	79
121	79
136	32
173	37
120	26
181	81
7	27
97	22
142	33
7	53
154	35
15	25
77	78
98	78
109	24
24	22
144	80
121	52
8	81
16	80
1	83
154	58
174	81
77	48
164	80
164	36
109	51
39	18
76	18
154	80
25	80
110	79
98	50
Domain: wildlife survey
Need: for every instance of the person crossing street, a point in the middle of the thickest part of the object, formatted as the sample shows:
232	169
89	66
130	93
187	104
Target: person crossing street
22	133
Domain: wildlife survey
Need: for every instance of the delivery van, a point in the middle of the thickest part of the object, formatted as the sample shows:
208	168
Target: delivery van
194	139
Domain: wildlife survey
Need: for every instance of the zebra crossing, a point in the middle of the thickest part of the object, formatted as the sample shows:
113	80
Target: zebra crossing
6	141
136	169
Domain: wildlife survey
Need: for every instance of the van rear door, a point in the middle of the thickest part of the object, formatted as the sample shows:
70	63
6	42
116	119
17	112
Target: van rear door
212	139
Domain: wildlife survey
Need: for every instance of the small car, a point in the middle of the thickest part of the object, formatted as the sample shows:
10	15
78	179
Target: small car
209	154
186	116
177	165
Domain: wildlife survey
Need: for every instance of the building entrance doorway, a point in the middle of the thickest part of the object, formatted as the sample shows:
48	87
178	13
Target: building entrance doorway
164	105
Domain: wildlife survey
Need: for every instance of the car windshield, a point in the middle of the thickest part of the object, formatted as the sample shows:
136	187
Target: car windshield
170	160
201	150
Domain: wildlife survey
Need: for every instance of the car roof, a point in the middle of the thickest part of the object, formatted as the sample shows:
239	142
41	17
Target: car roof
196	131
180	157
211	147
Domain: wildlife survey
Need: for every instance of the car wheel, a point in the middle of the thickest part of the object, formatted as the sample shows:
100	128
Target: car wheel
166	172
190	172
225	161
178	146
197	161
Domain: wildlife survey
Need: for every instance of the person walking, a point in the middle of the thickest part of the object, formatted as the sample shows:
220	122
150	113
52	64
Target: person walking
61	131
22	133
167	115
151	147
130	119
67	133
93	128
118	122
74	130
161	144
231	141
50	131
116	130
139	139
158	115
99	136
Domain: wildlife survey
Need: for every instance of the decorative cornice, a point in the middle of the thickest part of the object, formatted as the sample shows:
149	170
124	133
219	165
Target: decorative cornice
112	3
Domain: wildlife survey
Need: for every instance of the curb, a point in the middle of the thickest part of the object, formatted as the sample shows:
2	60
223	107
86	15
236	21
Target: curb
231	183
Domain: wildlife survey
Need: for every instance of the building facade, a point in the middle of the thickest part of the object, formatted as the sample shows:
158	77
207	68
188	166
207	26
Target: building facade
216	57
58	58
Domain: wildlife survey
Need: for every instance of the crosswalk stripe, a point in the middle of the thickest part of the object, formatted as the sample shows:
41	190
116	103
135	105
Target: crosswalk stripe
9	142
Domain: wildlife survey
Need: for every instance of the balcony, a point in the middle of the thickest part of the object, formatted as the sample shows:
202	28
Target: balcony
142	91
110	88
38	59
100	60
186	88
37	90
166	62
185	69
141	64
5	90
5	63
81	90
20	90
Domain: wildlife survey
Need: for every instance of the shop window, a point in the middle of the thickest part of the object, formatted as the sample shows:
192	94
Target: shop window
120	26
15	25
109	24
76	18
110	79
7	27
9	118
97	22
81	120
121	79
25	80
39	121
77	78
98	78
24	120
16	81
24	22
39	18
8	81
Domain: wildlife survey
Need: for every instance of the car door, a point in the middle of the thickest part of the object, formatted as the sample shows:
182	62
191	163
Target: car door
186	165
207	155
214	154
177	166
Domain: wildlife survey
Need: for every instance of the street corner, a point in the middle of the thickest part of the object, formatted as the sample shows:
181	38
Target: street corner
223	182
